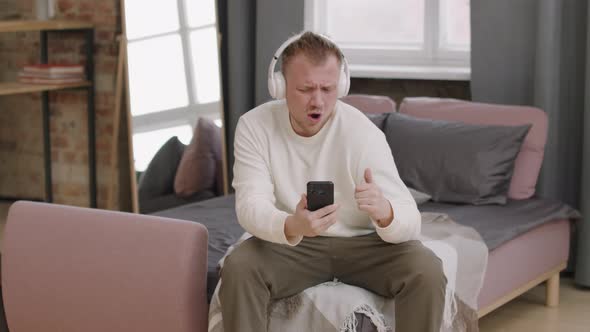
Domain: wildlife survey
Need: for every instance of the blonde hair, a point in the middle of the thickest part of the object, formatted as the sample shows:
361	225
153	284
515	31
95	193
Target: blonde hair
314	46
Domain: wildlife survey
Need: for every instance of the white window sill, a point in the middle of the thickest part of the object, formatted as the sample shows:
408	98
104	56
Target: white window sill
411	72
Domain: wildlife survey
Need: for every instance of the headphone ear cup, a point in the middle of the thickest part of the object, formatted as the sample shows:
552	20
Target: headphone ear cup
343	83
279	85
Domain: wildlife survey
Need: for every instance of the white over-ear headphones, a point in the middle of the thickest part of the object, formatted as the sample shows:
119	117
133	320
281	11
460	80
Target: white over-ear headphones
276	81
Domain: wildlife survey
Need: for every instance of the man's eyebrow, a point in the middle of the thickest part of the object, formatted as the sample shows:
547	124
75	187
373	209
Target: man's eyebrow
321	85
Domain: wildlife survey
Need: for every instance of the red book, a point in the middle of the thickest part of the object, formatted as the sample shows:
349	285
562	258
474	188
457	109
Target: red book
39	80
24	74
54	68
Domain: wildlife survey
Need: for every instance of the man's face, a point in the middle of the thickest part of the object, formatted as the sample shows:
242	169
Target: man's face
311	92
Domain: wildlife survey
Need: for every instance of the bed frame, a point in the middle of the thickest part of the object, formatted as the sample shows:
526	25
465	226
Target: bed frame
551	278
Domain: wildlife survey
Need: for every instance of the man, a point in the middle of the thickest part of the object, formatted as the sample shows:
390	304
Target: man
367	238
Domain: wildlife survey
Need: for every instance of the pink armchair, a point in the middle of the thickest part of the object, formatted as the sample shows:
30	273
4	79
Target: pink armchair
76	269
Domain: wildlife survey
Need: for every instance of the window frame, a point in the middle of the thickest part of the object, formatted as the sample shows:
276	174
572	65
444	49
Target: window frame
434	61
189	114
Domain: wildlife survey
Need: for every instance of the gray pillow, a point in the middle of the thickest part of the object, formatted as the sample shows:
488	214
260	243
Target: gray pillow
453	161
377	119
419	196
158	178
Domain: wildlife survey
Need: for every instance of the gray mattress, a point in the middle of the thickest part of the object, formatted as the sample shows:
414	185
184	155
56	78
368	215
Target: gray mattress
496	224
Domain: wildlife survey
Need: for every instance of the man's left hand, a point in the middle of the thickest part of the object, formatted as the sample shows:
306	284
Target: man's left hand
369	198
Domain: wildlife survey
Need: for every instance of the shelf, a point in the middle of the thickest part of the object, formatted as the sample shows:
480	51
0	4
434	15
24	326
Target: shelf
12	88
37	25
45	27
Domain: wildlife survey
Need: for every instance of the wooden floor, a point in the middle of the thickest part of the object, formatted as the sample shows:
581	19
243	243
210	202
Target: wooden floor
526	313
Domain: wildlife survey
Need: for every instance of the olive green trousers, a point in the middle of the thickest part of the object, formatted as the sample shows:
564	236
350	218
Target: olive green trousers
258	271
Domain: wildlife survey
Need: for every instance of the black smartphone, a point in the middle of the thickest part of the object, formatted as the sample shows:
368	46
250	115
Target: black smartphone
319	194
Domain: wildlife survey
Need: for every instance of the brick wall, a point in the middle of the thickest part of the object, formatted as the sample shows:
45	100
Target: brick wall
21	139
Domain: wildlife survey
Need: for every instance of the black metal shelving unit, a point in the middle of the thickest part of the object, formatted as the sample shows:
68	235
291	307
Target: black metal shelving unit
10	88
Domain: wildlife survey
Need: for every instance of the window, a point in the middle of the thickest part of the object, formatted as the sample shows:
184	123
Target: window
173	66
418	39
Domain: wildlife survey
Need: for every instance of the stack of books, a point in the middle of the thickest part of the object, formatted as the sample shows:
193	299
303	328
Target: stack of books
51	74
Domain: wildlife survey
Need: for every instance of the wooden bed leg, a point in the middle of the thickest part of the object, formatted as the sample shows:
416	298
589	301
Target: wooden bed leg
552	291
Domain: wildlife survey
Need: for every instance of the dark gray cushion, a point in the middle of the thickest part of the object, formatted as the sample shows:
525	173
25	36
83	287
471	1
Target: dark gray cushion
158	178
454	161
170	201
378	119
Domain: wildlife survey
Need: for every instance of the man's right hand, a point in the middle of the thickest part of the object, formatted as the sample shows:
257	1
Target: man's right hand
310	223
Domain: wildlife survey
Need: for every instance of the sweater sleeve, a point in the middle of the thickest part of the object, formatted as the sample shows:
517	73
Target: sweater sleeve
255	199
407	220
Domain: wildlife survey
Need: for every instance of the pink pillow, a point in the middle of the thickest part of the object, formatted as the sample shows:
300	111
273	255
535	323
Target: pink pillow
370	103
200	161
529	159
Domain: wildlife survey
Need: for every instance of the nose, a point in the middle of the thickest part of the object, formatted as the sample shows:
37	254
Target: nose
317	100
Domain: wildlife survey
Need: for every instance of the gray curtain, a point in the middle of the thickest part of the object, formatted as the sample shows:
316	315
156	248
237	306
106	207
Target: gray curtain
251	31
534	52
237	23
583	266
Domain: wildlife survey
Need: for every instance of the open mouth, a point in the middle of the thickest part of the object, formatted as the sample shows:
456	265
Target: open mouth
315	116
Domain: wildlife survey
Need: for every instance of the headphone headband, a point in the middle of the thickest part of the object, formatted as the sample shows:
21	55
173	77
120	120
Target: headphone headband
276	81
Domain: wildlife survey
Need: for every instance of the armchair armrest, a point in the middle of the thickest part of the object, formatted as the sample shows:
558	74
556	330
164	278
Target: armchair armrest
77	269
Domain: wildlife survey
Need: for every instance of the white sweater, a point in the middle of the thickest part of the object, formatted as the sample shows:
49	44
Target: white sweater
273	165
